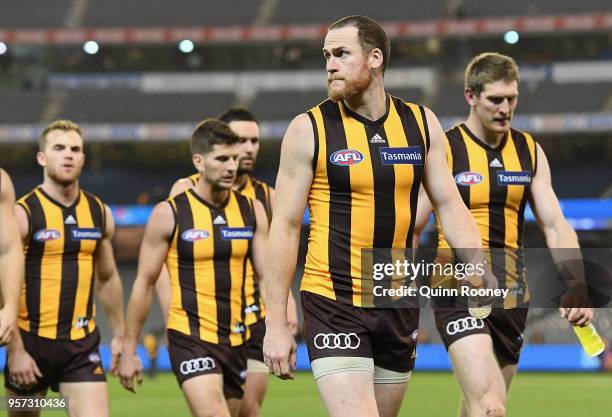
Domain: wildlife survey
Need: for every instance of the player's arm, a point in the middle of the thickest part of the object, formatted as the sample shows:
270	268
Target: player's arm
423	213
110	290
259	240
292	186
558	232
292	316
458	224
162	286
153	252
11	261
22	367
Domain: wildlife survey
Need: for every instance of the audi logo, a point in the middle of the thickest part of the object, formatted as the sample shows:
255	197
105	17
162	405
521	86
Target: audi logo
337	341
197	365
464	324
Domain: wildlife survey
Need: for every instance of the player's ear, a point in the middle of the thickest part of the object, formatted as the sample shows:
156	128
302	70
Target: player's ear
198	162
41	158
470	96
376	59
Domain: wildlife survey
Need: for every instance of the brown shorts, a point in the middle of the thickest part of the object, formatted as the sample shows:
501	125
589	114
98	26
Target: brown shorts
60	361
504	326
336	329
255	343
190	357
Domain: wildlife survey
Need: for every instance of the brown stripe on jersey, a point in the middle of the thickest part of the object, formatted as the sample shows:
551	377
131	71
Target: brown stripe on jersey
315	131
223	279
98	211
248	215
261	194
184	219
33	265
461	160
340	203
528	159
70	276
426	126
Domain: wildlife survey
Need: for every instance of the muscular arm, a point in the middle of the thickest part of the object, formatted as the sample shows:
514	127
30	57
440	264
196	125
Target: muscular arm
259	240
11	260
153	252
109	288
292	186
559	235
162	286
424	209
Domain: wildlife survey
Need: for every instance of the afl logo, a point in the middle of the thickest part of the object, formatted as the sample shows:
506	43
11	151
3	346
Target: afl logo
192	235
345	157
46	235
468	178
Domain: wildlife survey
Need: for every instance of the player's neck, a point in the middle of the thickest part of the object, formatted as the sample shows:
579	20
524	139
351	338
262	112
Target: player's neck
371	103
486	136
241	181
65	194
212	195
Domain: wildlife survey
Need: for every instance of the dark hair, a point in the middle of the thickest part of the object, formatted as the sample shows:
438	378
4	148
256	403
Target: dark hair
211	132
63	125
489	67
237	114
370	33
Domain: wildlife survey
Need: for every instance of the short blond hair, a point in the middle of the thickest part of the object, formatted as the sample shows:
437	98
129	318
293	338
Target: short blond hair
490	67
63	125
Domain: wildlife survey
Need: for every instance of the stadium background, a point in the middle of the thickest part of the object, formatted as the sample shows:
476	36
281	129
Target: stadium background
156	68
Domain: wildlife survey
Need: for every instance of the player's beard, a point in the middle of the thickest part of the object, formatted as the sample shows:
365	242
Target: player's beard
352	85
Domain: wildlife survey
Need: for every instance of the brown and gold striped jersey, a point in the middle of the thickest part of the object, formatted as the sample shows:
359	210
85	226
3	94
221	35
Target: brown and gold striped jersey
254	189
364	192
208	262
57	299
494	184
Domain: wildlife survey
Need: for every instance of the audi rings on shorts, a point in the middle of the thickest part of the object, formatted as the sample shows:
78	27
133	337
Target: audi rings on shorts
463	325
337	341
197	365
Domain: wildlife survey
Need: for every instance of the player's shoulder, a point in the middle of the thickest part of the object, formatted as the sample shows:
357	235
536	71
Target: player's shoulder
27	198
522	135
258	182
454	133
92	197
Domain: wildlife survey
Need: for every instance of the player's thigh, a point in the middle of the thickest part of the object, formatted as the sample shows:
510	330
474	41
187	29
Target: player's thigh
234	406
32	413
204	394
348	393
476	367
85	398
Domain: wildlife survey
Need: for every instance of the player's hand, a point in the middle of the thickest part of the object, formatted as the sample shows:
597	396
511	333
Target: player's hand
130	367
116	349
8	325
23	370
292	316
280	349
577	316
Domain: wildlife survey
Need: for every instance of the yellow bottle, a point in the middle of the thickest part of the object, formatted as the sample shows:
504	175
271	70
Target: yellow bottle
589	338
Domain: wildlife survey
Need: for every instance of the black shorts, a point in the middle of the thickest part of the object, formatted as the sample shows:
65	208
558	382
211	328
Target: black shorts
504	326
190	357
60	361
336	329
255	343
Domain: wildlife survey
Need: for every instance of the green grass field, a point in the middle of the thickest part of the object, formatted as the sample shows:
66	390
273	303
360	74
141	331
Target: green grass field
430	394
